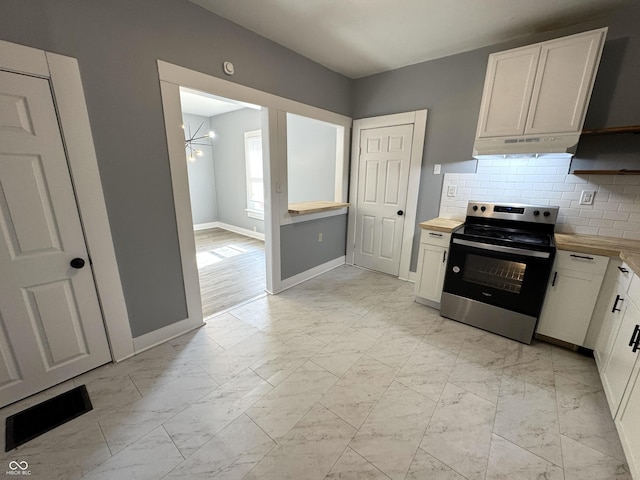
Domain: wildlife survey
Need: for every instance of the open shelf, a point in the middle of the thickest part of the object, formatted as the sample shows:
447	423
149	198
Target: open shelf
612	130
606	172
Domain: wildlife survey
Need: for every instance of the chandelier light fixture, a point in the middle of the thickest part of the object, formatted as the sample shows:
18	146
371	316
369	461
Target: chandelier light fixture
193	141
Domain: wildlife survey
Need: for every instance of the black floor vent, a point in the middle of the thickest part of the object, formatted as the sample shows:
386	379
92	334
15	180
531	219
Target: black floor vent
39	419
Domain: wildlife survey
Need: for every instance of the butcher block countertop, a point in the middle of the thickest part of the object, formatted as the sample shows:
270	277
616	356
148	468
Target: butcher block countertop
315	207
627	250
439	224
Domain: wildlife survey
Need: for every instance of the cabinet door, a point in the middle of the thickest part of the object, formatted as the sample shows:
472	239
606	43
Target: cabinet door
615	312
568	305
563	84
507	92
432	269
618	369
628	423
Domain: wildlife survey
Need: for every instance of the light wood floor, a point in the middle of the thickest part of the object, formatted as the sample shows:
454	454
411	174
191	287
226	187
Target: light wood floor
231	269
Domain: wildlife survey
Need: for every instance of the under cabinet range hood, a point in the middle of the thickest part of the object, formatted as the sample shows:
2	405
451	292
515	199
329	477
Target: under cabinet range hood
526	145
535	97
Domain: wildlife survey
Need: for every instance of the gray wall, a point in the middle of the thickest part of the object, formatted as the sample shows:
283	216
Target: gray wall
117	43
230	166
311	159
451	89
300	249
202	189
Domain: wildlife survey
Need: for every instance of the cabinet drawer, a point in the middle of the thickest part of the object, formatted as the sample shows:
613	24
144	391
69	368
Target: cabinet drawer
634	290
624	276
432	237
581	262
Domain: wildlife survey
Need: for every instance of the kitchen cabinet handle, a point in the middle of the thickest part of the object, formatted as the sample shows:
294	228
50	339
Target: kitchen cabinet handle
553	282
623	270
435	234
615	304
581	256
635	339
444	256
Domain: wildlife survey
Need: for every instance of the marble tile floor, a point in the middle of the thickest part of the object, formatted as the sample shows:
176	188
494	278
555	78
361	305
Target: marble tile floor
341	377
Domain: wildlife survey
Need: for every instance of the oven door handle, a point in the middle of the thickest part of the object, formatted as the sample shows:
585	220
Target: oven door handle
502	248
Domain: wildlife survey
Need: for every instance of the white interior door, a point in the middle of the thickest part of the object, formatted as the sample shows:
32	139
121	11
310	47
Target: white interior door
51	326
383	176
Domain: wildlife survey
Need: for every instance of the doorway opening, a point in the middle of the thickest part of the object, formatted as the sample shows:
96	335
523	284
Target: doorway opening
223	148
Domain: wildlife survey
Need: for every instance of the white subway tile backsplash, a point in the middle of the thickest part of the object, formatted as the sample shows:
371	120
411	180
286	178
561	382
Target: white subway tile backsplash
624	180
611	233
538	162
631	235
544	181
563	187
591	213
546	170
616	215
587	230
571	195
555	178
601	179
564	163
635	226
594	222
577	221
575	179
629	207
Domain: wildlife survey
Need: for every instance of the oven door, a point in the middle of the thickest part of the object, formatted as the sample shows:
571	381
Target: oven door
507	277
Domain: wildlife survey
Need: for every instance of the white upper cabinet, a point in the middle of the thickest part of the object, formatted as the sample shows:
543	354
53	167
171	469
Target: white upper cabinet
542	88
507	92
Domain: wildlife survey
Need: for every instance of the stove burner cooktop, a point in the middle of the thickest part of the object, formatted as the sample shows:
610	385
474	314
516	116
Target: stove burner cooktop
508	235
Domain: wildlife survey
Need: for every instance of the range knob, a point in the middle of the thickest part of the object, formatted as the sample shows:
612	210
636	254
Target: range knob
483	208
536	213
546	214
475	208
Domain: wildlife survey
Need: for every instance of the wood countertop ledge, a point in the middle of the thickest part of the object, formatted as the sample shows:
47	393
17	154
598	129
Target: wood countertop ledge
446	225
627	250
315	207
632	259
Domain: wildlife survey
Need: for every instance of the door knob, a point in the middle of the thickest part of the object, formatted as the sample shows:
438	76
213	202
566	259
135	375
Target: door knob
400	212
77	263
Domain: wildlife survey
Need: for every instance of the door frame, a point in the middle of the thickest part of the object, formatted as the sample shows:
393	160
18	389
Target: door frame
63	74
276	213
418	119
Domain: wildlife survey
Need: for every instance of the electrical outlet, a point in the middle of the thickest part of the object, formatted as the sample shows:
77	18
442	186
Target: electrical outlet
452	190
320	237
586	197
436	169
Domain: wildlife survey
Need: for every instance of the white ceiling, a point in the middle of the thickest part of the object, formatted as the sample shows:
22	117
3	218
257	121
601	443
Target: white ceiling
362	37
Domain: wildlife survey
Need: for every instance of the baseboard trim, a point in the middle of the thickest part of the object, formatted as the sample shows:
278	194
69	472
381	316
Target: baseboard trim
205	226
411	278
164	334
231	228
311	273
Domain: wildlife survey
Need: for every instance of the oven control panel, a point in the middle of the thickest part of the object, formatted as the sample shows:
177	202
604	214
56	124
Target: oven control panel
515	211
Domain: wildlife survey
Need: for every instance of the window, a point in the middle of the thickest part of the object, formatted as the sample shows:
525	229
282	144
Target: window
255	184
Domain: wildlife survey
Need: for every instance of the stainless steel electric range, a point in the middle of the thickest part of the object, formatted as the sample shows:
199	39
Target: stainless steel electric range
498	268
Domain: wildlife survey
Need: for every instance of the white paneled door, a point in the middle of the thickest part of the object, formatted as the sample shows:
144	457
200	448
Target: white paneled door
51	326
383	176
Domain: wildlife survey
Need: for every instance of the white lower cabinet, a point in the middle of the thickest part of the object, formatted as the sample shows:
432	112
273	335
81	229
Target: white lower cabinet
571	296
628	423
611	308
432	263
622	382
